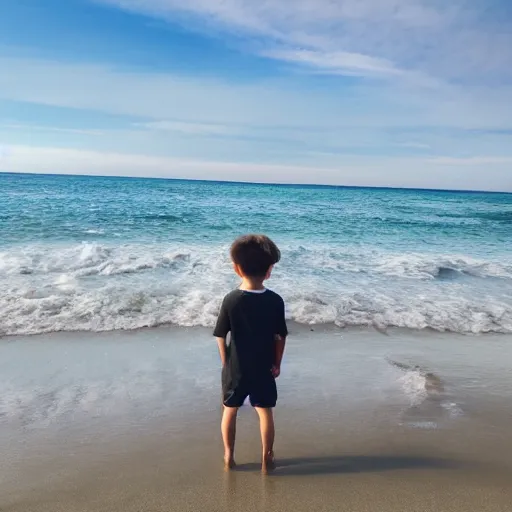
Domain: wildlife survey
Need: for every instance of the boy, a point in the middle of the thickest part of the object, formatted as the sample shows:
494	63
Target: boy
254	317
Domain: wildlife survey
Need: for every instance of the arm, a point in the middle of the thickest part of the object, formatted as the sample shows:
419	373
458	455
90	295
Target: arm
221	342
222	328
280	345
280	342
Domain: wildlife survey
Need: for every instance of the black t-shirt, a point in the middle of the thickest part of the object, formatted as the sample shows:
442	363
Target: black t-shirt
253	319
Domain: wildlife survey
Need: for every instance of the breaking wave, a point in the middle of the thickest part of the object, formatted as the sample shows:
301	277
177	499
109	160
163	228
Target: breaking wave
101	287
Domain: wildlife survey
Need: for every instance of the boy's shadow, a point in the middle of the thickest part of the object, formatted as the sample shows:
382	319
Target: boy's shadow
352	464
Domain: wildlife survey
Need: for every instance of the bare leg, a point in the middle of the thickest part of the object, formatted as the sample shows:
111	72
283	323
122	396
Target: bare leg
267	438
228	428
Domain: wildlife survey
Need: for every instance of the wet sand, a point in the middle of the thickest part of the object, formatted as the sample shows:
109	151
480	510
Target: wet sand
351	450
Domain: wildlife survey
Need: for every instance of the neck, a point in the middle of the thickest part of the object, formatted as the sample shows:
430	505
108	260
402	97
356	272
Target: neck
251	284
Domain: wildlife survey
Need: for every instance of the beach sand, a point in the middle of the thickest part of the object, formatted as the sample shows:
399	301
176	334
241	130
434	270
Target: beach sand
355	432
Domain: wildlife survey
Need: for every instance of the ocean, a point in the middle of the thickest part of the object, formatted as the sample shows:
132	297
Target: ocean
101	253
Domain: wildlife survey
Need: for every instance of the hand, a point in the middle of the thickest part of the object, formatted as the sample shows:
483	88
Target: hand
276	371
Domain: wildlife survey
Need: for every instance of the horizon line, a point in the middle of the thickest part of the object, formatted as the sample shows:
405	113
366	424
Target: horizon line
276	184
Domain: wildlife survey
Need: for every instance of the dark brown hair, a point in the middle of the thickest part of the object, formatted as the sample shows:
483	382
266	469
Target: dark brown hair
255	254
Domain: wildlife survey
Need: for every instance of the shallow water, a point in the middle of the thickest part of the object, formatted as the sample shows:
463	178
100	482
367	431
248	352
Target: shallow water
87	385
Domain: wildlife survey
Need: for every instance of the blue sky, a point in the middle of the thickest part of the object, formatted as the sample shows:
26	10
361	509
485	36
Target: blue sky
413	93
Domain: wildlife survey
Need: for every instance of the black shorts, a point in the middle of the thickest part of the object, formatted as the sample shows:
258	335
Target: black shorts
261	390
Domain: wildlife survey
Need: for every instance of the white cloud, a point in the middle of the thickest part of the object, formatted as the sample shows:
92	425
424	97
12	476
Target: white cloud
279	123
414	145
343	63
188	128
456	39
212	104
191	125
479	161
158	96
362	171
54	129
273	122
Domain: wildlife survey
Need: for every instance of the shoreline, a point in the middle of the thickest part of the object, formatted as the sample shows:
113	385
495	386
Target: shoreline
294	327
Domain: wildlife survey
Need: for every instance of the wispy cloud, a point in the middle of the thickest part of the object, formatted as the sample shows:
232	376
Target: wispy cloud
478	161
418	93
343	63
444	40
270	121
414	145
209	104
188	128
53	129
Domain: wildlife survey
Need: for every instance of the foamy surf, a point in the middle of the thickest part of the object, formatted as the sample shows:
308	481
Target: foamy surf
429	405
103	287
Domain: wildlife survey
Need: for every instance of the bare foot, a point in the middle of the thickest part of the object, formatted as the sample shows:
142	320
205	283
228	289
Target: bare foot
268	464
229	464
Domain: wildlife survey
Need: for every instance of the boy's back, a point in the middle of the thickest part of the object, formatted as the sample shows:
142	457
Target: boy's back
253	318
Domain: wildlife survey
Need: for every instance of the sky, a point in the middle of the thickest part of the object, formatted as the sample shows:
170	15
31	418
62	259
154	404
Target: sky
399	93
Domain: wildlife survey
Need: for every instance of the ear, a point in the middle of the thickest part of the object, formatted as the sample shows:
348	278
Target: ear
238	270
269	272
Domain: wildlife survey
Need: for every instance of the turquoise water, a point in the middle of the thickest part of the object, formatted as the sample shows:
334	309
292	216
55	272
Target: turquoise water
89	253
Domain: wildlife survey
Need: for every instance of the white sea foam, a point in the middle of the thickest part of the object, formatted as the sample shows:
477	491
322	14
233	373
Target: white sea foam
97	287
428	403
425	425
414	385
40	407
